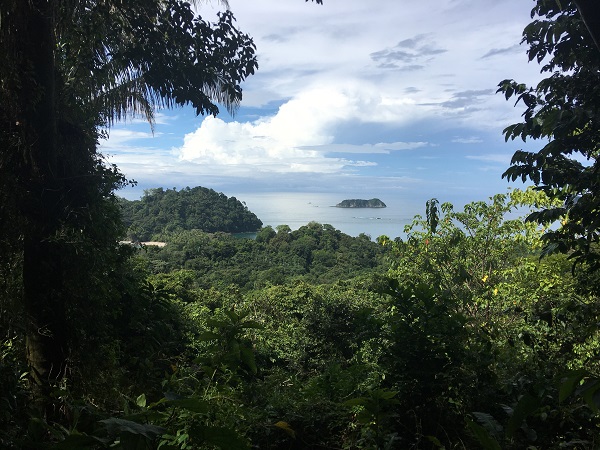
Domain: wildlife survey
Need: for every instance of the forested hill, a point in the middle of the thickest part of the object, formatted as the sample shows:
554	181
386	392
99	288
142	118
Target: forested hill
196	208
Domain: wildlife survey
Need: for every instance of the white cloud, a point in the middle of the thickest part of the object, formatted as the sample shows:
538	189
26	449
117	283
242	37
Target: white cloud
121	138
260	147
494	158
299	134
339	73
467	140
380	147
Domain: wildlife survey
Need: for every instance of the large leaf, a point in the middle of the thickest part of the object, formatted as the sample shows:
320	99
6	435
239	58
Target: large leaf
483	436
233	315
384	394
590	391
191	404
116	426
251	324
208	336
224	438
247	356
286	428
569	383
526	406
77	441
218	323
488	422
358	401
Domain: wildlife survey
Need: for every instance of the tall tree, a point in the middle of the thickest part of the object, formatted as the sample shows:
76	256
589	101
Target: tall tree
69	69
563	110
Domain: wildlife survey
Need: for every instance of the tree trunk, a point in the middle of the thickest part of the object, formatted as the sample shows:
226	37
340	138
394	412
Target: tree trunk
42	275
590	12
46	327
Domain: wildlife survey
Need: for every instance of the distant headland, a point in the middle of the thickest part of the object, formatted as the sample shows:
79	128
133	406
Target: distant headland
359	203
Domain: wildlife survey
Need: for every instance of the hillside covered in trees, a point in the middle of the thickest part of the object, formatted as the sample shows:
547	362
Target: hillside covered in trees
198	208
478	330
315	253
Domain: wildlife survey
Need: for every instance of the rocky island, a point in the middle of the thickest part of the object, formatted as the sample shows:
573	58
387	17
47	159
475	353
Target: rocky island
359	203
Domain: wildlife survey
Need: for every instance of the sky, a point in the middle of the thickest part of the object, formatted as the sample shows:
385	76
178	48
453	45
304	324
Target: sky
357	97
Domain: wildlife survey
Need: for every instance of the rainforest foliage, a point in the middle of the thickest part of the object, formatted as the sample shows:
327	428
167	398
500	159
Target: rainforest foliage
563	111
315	253
457	336
473	330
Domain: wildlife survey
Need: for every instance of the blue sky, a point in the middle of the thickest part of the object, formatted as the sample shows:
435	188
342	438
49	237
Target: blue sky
362	98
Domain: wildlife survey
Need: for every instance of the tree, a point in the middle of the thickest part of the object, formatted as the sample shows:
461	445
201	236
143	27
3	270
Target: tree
197	208
464	254
69	69
563	109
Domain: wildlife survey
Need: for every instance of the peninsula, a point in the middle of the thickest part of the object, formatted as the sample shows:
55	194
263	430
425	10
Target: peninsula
359	203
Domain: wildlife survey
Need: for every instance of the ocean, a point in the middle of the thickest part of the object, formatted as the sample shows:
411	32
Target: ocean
297	209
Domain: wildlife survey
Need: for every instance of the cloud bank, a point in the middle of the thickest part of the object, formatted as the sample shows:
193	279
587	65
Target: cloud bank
348	94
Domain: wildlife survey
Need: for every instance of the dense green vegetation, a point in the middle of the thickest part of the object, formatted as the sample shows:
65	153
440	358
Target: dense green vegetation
70	70
457	337
315	253
169	211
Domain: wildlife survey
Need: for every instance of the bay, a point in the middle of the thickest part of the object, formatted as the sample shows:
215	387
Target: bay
297	209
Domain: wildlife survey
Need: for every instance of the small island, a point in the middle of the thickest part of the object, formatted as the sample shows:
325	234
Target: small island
359	203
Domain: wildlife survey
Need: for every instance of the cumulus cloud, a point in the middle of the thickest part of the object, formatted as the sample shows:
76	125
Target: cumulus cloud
300	135
346	92
272	143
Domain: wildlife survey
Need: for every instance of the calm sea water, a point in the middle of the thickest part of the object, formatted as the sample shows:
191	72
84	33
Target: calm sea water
297	209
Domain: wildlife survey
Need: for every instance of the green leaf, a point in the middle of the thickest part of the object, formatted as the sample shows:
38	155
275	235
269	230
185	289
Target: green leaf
247	356
358	401
590	392
77	441
251	324
191	404
483	436
208	336
525	407
232	315
569	383
215	323
384	394
286	427
160	402
116	426
222	437
435	441
488	422
141	401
